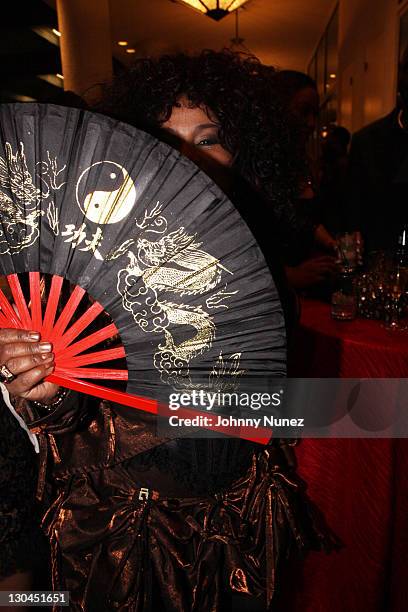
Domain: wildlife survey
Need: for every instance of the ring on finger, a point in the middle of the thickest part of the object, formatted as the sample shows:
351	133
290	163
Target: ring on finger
5	375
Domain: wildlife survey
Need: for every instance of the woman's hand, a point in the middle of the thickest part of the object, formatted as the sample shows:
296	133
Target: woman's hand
30	361
311	272
324	239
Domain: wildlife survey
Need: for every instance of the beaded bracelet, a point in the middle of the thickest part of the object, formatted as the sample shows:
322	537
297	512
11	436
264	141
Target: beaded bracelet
59	398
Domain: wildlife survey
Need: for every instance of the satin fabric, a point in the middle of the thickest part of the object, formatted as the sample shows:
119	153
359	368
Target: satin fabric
111	550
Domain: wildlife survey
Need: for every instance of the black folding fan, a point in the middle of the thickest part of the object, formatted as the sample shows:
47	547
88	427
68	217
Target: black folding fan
142	235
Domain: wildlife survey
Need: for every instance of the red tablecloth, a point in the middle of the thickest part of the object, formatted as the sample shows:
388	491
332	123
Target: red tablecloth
361	486
348	349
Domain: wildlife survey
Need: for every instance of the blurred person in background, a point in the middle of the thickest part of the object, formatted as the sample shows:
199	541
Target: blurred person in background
196	552
377	186
304	268
334	168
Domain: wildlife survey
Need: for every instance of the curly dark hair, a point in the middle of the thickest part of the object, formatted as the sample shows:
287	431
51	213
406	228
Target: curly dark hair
239	90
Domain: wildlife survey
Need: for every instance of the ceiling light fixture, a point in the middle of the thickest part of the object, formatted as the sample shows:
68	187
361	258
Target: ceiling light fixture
19	98
123	43
51	35
237	43
130	50
52	79
216	9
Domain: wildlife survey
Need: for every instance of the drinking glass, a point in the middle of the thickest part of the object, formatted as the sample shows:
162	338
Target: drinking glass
396	286
348	252
343	301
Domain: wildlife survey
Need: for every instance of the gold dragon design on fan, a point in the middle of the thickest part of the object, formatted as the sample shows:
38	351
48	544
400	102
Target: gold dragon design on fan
174	264
22	203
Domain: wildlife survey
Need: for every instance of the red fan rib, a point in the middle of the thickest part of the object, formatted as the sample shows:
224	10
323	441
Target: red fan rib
96	357
3	321
67	313
79	326
52	305
103	373
19	301
11	318
109	331
119	397
35	299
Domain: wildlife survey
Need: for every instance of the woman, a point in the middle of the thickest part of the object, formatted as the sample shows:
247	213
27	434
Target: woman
298	94
222	515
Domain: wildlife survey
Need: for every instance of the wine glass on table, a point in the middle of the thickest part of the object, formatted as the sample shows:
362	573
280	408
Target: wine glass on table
396	287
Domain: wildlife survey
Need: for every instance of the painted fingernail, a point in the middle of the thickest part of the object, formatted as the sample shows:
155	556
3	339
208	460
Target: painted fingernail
48	356
45	347
33	335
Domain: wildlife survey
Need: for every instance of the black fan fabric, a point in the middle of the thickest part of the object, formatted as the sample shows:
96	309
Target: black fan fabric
149	236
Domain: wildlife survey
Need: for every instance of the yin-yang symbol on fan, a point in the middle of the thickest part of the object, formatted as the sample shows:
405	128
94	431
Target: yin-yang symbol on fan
105	192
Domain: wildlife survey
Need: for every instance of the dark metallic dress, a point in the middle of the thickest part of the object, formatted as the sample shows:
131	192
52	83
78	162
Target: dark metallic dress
142	524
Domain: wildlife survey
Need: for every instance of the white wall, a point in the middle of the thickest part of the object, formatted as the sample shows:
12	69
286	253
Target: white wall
368	48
